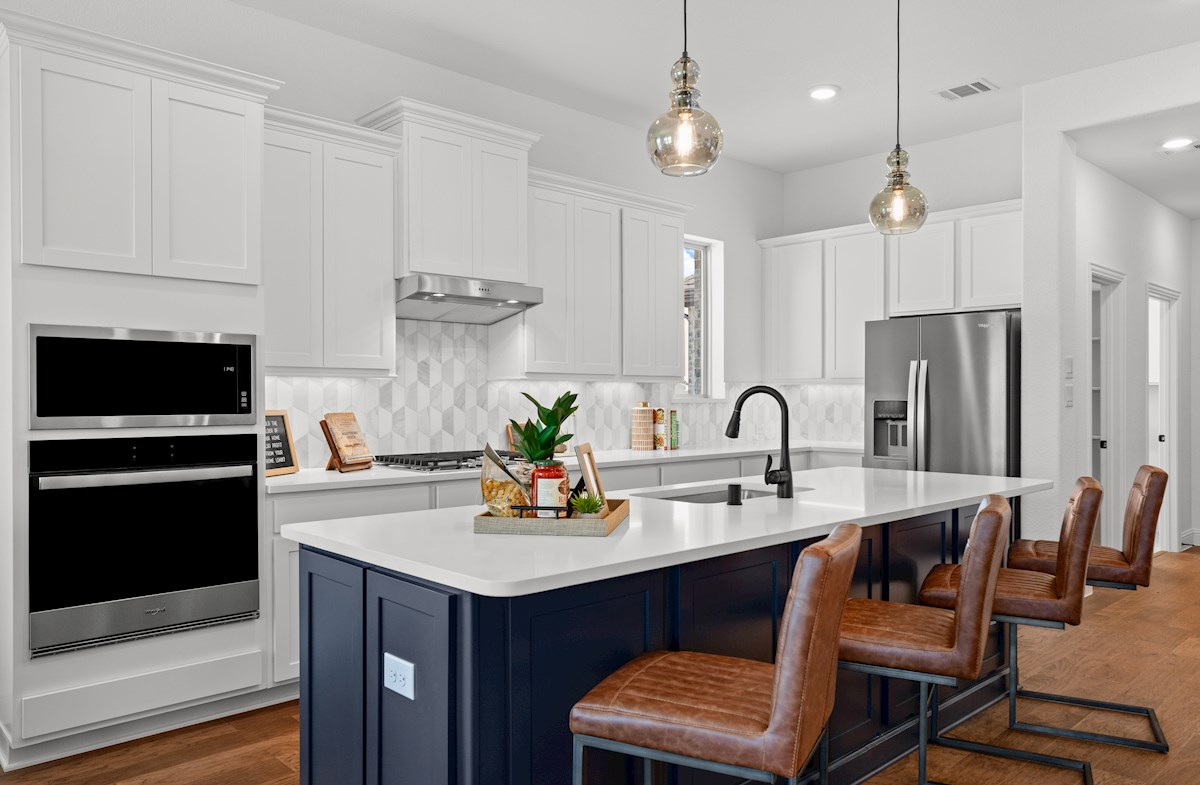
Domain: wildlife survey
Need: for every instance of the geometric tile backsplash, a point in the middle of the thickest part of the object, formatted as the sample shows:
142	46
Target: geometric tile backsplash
441	400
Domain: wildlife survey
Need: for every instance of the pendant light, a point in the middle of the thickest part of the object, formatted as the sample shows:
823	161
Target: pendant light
685	140
899	208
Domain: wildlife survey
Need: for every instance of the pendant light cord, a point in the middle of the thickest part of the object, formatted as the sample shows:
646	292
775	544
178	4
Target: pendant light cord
685	54
897	66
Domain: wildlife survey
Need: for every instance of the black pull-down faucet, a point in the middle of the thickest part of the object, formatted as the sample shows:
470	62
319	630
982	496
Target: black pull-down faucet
781	478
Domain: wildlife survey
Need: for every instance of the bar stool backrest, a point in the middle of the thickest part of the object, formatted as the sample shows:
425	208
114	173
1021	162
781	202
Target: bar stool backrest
1075	542
1141	520
977	587
806	657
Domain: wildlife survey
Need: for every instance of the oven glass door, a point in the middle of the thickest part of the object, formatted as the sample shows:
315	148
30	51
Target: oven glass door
102	537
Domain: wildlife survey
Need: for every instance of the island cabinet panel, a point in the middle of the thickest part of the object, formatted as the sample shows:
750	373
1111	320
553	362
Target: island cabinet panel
410	739
561	644
332	701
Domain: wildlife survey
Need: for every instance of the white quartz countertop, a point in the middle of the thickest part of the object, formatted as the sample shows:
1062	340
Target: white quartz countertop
322	480
441	546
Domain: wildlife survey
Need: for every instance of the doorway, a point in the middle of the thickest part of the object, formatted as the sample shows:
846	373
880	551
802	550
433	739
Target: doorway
1107	400
1161	402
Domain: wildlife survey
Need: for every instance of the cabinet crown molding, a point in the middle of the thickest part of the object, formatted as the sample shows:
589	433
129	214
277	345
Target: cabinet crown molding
26	30
326	130
590	189
940	216
404	110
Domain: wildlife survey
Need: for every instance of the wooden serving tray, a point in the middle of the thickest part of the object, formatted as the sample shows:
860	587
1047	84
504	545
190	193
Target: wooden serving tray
618	511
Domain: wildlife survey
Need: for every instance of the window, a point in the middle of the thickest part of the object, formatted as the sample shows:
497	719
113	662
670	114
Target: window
703	330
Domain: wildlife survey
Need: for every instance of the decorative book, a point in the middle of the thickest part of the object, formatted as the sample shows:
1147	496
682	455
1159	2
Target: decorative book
348	450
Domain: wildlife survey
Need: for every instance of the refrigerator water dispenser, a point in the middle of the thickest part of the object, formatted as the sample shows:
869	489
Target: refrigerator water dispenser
891	429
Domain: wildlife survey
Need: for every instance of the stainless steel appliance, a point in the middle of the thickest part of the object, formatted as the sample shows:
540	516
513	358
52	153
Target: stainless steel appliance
442	461
448	298
104	377
943	393
132	537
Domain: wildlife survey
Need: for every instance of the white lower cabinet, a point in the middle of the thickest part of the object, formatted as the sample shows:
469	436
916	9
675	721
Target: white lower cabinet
457	493
622	478
677	472
826	460
285	662
328	246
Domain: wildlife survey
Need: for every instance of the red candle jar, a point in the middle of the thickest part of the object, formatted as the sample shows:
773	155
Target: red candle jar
550	487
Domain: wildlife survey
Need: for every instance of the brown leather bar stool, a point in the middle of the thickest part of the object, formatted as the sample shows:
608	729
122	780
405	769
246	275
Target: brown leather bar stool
933	646
750	719
1033	598
1125	569
1110	568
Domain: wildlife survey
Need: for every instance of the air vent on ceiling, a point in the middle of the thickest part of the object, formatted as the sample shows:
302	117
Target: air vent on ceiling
967	90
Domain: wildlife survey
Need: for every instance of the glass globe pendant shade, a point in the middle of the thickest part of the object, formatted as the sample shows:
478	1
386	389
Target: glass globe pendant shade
685	140
899	208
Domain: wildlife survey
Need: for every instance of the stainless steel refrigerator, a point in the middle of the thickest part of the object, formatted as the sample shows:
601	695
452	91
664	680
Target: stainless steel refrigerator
943	393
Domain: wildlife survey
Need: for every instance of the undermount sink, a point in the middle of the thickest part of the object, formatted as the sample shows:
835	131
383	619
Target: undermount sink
713	494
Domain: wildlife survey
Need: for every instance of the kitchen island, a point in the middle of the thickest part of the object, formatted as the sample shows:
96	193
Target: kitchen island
505	633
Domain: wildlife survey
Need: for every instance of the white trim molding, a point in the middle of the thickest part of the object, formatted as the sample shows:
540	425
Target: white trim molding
402	110
323	129
589	189
941	216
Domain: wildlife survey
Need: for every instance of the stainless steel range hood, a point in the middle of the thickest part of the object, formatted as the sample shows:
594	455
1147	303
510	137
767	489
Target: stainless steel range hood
446	298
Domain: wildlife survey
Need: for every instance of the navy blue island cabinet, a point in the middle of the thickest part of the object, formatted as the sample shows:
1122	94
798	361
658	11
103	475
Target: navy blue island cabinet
494	679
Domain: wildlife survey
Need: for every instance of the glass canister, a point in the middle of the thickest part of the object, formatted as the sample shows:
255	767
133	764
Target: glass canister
551	486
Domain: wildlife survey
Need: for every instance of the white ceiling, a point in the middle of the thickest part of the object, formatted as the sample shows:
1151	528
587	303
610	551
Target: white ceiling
1130	150
759	57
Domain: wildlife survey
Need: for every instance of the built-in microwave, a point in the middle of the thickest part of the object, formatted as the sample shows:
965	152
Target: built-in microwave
105	377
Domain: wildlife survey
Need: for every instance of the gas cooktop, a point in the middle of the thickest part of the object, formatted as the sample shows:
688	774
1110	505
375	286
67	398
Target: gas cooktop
442	461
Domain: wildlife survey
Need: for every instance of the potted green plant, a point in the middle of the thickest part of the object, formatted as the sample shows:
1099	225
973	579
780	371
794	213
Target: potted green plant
587	506
535	441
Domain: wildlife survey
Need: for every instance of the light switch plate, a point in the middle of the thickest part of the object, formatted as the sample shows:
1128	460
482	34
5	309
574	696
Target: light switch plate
1070	396
399	676
1069	367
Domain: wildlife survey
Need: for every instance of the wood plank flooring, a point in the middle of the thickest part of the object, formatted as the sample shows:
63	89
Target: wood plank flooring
1133	647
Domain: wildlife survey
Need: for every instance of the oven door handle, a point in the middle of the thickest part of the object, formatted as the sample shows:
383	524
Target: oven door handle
154	477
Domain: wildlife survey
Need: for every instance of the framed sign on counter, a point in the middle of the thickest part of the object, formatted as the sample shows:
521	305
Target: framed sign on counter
281	450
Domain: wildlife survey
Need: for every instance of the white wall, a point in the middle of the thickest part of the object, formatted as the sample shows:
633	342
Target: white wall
337	77
1055	279
1125	230
975	168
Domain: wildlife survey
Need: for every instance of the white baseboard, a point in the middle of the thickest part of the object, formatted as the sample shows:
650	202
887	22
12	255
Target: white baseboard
1189	537
21	757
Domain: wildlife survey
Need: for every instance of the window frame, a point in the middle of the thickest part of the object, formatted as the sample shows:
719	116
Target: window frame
712	309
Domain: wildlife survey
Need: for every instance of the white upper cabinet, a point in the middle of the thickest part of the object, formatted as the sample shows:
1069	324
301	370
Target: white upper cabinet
652	294
328	245
549	328
292	250
360	323
990	253
135	160
921	270
793	277
85	159
207	195
463	189
854	293
596	303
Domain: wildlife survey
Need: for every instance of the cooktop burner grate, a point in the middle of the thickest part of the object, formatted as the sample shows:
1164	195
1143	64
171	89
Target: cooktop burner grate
441	461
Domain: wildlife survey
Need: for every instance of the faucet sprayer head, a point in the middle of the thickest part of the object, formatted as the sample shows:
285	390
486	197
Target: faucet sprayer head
735	424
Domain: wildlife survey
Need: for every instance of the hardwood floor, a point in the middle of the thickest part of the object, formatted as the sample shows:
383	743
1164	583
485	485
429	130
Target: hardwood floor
1134	647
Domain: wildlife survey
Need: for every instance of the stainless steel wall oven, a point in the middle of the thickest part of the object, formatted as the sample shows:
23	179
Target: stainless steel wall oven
131	537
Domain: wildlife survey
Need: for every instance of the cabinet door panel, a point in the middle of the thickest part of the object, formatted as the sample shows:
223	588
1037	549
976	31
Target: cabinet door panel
85	164
285	664
854	295
921	270
550	328
666	314
501	188
597	287
794	314
410	740
293	276
991	255
637	292
698	471
438	201
332	700
207	171
360	326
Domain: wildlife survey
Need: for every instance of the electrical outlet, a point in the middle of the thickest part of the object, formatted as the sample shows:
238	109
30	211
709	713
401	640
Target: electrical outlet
399	676
1069	367
1070	396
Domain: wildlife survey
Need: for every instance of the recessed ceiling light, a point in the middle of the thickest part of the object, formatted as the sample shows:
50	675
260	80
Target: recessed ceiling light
823	92
1178	143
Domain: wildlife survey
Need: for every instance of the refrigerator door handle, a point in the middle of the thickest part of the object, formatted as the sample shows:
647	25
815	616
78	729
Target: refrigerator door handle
912	416
922	462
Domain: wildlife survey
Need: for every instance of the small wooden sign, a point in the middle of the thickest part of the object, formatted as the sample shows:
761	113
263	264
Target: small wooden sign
587	467
281	450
